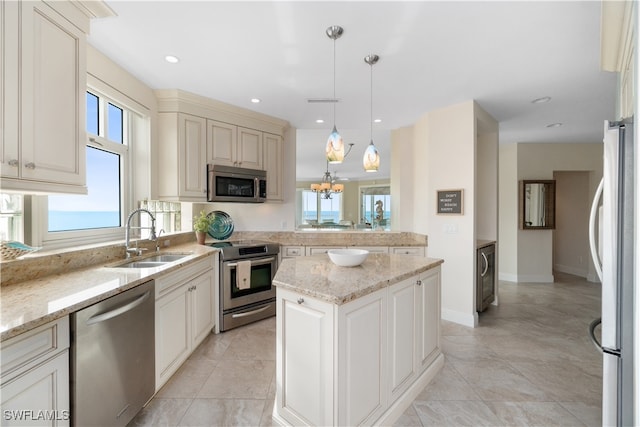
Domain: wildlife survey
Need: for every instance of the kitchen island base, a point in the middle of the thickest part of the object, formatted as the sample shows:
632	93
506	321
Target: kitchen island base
361	361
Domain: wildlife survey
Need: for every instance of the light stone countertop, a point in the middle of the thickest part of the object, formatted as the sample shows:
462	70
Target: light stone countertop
320	278
27	305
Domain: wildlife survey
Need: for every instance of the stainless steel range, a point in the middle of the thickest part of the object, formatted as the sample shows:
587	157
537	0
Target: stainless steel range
247	294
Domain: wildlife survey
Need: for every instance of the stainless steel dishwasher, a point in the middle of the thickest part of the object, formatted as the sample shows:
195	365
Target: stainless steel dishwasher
113	358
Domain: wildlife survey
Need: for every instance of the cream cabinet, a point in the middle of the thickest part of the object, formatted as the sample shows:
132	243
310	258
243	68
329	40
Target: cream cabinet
317	250
42	146
35	377
183	164
305	359
403	333
428	316
185	315
292	251
232	145
359	363
273	160
408	250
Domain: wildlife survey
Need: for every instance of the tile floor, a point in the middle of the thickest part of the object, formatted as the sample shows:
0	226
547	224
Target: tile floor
529	363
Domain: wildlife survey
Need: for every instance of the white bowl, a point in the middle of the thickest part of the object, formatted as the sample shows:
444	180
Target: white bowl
347	257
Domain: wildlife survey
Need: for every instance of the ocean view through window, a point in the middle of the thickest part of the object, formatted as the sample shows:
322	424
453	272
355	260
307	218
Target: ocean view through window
106	153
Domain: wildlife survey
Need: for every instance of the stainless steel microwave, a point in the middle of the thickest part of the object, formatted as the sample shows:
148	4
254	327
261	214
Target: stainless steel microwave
232	184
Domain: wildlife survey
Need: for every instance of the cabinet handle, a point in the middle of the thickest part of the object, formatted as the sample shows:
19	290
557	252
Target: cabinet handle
419	282
300	300
30	165
486	264
13	162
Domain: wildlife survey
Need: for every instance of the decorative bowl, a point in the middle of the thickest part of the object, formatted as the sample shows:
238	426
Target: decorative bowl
347	257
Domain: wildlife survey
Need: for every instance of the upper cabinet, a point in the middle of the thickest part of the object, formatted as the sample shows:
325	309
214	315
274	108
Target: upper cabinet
182	150
273	161
234	146
196	131
42	144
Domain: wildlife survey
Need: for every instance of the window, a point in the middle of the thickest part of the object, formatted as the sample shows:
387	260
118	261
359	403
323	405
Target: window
375	206
107	151
11	218
315	209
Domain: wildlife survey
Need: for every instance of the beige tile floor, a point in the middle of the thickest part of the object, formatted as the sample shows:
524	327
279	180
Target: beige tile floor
529	363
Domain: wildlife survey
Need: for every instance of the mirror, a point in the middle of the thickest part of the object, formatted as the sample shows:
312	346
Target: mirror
537	204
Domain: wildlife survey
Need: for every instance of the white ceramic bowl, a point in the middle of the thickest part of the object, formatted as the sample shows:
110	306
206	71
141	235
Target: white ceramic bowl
347	257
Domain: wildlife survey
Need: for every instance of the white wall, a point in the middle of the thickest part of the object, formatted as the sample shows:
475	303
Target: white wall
445	159
402	183
570	238
526	255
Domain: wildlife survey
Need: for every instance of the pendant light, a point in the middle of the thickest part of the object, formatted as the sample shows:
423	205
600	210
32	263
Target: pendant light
335	146
371	158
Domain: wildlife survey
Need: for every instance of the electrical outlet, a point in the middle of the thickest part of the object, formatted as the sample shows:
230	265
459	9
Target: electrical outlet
283	225
166	242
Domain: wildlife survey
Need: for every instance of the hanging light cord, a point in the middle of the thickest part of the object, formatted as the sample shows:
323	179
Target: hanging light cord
371	104
334	82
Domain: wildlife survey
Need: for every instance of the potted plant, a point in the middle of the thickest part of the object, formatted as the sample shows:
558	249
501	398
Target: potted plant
201	225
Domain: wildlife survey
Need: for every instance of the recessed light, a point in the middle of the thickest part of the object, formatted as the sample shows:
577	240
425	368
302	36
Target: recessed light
255	100
319	121
171	59
554	125
377	121
542	100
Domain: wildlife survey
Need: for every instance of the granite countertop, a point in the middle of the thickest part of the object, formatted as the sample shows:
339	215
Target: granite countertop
318	277
27	305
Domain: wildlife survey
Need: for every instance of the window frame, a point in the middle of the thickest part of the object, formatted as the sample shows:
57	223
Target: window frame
300	220
125	150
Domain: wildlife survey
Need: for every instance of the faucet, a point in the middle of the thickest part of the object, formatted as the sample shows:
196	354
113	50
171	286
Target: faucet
158	239
135	250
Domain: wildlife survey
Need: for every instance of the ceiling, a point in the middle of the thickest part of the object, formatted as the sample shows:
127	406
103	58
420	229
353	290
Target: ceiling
432	55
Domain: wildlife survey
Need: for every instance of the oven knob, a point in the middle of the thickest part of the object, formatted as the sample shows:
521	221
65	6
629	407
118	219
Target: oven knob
300	300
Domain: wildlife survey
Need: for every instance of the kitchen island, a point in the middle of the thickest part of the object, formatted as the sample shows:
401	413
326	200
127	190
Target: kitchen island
355	346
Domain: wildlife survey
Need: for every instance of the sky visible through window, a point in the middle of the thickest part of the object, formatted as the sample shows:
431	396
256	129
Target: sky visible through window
100	208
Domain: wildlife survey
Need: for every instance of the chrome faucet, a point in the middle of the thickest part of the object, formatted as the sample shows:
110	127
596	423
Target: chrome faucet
135	250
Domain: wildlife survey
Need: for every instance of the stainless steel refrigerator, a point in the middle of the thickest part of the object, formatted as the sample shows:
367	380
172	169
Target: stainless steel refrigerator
613	255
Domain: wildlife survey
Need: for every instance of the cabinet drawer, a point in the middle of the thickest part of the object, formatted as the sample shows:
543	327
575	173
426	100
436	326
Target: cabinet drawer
34	346
408	250
292	251
176	278
317	250
373	249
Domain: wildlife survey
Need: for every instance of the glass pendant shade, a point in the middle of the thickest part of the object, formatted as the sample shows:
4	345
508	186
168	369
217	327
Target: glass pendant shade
371	159
335	147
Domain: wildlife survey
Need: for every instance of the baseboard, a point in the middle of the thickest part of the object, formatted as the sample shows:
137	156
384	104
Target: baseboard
508	277
580	272
393	413
464	319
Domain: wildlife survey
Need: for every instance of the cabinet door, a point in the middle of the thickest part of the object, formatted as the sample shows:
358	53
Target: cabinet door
9	117
43	388
249	148
53	55
192	142
402	335
362	344
305	394
201	307
428	310
172	333
273	161
221	143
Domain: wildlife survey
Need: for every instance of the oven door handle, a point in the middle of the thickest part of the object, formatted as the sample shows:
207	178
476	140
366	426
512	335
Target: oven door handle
249	313
257	262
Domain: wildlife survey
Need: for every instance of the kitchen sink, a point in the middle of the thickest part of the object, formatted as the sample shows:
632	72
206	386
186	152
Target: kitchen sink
152	261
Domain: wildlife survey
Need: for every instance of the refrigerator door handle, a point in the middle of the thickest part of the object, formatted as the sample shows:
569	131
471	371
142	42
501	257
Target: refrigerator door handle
592	231
592	333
